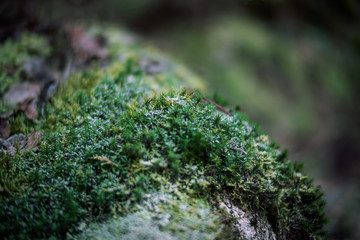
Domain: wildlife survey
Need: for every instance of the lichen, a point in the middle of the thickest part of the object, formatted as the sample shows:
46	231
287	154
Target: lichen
112	143
168	214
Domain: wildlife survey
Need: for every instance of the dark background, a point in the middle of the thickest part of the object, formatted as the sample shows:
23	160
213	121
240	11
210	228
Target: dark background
292	66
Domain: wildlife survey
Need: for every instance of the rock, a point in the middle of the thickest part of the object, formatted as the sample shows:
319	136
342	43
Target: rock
21	142
247	225
16	141
121	146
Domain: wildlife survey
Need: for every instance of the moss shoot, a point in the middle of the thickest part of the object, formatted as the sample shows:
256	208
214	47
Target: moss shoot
116	152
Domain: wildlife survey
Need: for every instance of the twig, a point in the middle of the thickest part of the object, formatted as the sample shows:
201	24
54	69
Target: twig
239	149
221	108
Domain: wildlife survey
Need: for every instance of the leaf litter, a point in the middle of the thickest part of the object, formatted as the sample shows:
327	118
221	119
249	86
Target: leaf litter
39	81
20	142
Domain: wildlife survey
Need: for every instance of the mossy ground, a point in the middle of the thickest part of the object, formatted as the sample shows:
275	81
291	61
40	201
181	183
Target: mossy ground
112	141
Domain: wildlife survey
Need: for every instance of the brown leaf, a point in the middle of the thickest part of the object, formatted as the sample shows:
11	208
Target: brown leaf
31	110
33	140
85	45
25	96
1	189
22	92
23	105
4	128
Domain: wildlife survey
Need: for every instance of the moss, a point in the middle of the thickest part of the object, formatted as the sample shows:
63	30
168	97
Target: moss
110	144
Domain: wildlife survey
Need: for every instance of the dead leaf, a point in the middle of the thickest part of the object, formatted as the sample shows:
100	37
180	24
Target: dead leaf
21	92
4	128
31	110
85	45
23	105
33	140
29	107
24	95
105	160
1	189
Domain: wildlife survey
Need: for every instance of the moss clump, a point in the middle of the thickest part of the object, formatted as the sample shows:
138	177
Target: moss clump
110	144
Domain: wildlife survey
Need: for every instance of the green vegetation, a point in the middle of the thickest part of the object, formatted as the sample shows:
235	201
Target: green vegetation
113	146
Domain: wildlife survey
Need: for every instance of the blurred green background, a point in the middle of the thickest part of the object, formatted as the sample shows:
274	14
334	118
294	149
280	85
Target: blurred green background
292	66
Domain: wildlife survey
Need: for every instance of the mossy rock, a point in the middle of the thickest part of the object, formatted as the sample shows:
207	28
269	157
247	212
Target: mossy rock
130	151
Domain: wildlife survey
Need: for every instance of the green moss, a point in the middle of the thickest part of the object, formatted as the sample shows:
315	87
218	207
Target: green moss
110	144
